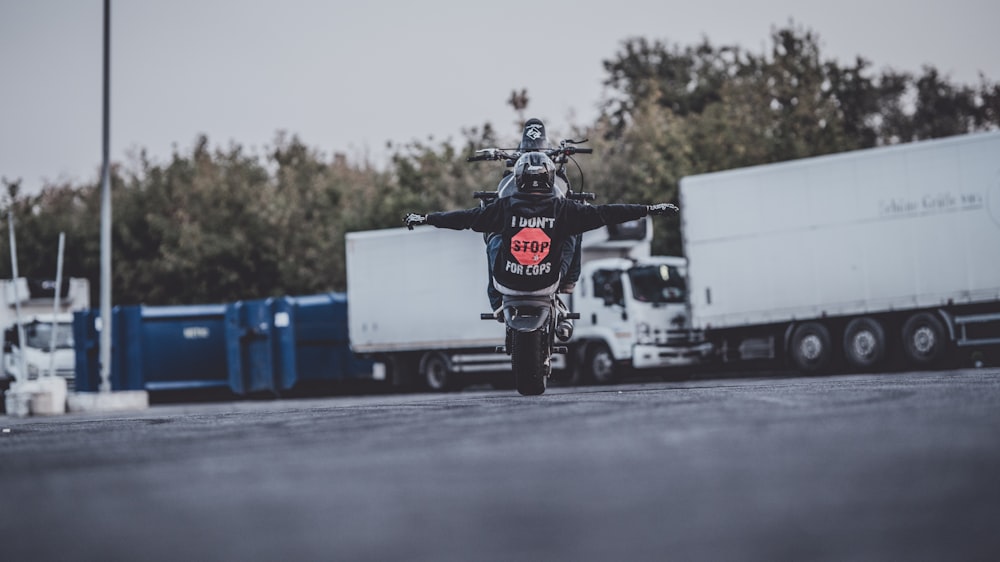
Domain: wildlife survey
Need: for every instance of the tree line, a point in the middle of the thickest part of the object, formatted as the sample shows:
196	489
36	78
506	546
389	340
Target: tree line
217	224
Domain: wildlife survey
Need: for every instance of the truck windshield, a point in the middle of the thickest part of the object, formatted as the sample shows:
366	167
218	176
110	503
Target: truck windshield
658	284
39	335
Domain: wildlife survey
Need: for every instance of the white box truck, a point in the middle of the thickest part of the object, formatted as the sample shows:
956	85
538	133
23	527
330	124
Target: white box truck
48	340
414	300
854	261
633	308
413	303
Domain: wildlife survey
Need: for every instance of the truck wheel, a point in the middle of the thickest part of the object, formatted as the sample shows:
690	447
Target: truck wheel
435	373
528	359
810	348
924	339
864	343
601	364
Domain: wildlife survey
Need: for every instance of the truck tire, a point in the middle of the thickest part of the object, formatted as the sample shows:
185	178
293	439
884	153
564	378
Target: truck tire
810	348
924	339
529	363
601	364
435	373
864	343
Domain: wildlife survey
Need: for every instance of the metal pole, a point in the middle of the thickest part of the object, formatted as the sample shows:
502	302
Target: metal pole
17	300
56	305
105	352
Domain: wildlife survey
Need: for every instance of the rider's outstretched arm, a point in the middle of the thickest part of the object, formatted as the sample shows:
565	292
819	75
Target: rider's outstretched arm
480	219
588	217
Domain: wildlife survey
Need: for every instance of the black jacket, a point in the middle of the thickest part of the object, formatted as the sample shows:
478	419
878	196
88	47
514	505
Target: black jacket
534	228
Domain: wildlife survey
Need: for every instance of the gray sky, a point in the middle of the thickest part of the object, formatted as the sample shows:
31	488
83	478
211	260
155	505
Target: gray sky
349	76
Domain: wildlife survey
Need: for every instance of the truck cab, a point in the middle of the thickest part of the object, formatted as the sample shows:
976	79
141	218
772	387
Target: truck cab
46	345
46	325
633	306
634	314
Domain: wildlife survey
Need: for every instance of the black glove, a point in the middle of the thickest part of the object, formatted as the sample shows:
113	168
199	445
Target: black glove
414	219
662	209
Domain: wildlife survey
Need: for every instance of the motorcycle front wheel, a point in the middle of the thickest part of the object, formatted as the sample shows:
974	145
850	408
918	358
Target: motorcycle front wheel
530	361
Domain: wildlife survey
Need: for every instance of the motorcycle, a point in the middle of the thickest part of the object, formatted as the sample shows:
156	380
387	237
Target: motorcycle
533	323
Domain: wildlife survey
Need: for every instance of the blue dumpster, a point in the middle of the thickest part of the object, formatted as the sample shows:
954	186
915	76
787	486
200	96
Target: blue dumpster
314	344
86	345
154	348
259	346
178	347
250	346
280	344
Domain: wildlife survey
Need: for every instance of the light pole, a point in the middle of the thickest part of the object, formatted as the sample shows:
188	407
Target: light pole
105	350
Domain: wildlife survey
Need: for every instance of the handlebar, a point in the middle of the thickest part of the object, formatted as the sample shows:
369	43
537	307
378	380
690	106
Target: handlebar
494	154
565	148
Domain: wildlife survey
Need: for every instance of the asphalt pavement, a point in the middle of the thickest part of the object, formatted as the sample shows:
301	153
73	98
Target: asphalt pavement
867	467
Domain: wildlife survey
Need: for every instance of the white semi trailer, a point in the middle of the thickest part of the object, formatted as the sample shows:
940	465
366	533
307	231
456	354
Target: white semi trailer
414	300
860	261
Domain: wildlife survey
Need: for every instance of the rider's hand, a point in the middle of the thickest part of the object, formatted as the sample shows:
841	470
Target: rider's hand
662	209
414	219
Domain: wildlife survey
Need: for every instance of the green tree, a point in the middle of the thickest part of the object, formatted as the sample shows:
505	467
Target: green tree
38	221
684	81
195	230
642	164
800	104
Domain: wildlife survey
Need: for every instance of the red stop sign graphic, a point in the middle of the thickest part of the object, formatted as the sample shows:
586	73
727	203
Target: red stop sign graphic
530	246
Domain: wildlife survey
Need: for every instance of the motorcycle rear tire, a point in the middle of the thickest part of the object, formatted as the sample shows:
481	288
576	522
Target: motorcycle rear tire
528	359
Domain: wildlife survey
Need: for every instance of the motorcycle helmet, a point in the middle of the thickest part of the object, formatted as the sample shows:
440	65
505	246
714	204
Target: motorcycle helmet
534	172
533	137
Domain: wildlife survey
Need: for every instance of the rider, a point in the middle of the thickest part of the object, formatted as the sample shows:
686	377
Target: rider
534	224
533	138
